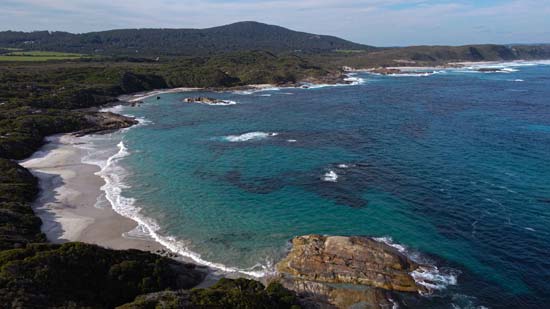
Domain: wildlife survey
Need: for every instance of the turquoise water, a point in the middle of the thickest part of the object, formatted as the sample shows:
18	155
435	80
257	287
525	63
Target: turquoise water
453	166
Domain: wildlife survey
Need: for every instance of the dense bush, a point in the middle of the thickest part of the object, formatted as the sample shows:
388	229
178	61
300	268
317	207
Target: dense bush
189	42
226	293
37	100
45	275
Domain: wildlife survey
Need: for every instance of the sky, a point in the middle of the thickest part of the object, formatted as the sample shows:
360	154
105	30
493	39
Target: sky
373	22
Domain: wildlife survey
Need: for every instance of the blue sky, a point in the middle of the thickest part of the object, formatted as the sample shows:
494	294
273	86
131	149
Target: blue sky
375	22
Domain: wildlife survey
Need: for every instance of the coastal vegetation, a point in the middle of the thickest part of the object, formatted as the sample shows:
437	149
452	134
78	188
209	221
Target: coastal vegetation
48	86
83	275
41	99
226	293
167	45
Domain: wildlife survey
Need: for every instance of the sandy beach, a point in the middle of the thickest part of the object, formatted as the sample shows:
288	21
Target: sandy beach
69	191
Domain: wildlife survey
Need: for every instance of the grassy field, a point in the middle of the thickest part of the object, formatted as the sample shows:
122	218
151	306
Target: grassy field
26	56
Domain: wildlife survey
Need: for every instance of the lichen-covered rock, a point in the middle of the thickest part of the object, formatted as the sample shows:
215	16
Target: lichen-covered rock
353	260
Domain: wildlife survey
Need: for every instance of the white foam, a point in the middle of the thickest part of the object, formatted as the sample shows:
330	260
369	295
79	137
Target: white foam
394	305
222	103
291	140
417	74
502	67
355	80
432	278
257	90
330	176
389	241
343	165
114	175
249	136
429	276
530	229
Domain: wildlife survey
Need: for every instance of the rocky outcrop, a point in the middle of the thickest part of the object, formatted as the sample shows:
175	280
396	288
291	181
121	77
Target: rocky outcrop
353	260
314	294
206	100
394	71
489	70
386	71
329	78
102	122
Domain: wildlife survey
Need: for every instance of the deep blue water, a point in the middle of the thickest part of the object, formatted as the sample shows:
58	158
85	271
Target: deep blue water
454	166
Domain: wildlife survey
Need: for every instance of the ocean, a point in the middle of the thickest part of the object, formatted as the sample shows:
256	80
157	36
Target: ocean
451	167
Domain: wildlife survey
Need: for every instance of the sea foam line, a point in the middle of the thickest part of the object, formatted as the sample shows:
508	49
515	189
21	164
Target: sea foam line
429	276
113	174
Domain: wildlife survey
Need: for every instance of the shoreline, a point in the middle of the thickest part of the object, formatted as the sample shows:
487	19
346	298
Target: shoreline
67	204
447	66
69	191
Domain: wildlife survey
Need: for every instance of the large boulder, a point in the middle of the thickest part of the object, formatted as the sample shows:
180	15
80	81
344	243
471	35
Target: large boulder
351	260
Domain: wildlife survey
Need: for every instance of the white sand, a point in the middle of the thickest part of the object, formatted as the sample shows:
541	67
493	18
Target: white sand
69	191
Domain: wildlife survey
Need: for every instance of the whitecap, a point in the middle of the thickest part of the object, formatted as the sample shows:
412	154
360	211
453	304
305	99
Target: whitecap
530	229
249	136
291	140
343	165
330	176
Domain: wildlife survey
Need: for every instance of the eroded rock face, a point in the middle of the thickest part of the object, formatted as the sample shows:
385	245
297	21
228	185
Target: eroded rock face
351	260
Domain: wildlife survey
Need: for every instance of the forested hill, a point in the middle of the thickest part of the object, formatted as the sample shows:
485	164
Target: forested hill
242	36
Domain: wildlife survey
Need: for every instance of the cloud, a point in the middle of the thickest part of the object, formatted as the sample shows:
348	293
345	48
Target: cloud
377	22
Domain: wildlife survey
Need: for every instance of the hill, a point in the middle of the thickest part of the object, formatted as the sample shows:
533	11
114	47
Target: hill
241	36
437	55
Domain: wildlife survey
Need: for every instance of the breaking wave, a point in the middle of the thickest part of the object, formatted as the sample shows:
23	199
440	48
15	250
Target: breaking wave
427	275
114	176
249	136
